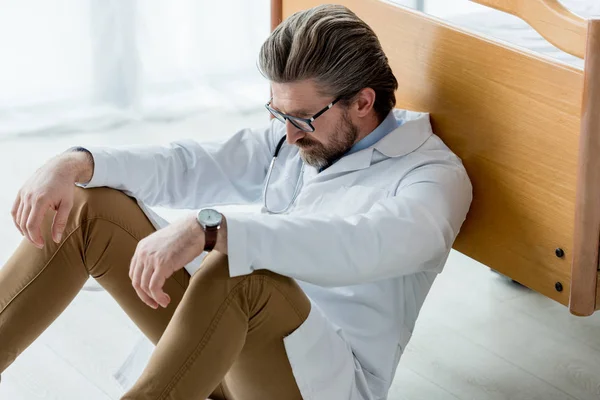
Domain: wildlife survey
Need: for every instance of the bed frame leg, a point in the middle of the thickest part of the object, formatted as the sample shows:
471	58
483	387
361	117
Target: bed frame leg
587	206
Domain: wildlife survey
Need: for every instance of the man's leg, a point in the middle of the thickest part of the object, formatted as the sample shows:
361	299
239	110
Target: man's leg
227	327
100	238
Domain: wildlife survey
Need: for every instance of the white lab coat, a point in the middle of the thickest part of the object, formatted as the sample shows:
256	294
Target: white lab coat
365	238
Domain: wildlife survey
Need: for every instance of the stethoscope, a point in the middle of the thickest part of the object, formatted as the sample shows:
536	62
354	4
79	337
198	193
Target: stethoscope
298	183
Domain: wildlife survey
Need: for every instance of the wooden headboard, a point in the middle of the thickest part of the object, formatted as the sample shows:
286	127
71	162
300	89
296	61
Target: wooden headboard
526	127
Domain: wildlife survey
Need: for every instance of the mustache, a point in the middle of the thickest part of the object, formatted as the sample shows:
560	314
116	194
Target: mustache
305	142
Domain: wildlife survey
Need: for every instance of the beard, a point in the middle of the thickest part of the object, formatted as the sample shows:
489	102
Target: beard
318	155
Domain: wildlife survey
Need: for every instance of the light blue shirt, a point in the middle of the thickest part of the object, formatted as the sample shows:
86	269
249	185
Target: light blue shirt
386	126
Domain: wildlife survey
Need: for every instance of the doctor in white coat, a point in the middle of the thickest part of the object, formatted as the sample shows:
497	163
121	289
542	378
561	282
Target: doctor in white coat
361	204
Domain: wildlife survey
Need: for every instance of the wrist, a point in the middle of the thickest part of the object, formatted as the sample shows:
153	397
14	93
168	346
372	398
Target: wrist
214	225
197	234
81	163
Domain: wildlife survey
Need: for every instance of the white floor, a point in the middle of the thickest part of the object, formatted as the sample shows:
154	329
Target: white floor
479	336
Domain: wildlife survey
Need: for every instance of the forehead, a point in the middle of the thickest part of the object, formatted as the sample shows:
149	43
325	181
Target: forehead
296	97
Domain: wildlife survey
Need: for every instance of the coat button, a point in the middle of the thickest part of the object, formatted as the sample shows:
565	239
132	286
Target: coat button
560	253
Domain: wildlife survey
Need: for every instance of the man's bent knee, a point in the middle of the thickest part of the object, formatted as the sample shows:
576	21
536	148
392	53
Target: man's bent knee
105	203
215	267
101	198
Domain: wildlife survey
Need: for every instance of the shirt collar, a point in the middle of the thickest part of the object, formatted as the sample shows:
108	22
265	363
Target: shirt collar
413	130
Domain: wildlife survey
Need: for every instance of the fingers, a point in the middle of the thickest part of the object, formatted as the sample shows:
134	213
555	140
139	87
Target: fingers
24	214
148	281
147	272
15	211
34	223
157	281
60	220
30	213
136	272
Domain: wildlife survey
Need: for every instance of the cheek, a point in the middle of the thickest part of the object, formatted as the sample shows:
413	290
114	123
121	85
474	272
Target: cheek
323	131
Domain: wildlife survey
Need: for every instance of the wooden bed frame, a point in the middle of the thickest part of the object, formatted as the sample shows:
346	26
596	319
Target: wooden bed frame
527	128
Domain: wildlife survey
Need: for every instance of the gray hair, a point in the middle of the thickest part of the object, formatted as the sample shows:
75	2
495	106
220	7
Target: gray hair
332	46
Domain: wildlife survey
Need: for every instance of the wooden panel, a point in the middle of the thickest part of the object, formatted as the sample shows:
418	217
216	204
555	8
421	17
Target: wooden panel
550	19
598	292
587	215
276	13
512	116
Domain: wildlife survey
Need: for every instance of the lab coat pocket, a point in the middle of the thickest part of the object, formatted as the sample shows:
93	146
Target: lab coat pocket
378	387
321	360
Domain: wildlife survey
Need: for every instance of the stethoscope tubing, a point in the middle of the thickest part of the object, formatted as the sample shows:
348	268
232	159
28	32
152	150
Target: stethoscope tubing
270	171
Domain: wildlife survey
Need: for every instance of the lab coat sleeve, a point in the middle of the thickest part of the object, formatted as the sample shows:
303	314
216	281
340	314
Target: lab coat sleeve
186	174
409	232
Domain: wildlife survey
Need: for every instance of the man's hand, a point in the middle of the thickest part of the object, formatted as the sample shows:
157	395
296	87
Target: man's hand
159	255
51	187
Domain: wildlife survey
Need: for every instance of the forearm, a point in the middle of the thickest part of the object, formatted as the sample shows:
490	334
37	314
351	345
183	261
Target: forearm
184	174
83	164
80	162
408	233
329	251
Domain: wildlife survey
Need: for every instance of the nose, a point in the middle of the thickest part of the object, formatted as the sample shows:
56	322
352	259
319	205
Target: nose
293	134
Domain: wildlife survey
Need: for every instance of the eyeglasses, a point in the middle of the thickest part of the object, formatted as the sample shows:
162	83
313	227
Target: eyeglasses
304	124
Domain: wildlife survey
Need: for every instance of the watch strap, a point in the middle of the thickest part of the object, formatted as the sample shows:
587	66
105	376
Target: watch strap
210	237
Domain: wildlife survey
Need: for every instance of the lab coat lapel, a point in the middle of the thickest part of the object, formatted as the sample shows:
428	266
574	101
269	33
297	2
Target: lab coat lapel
353	162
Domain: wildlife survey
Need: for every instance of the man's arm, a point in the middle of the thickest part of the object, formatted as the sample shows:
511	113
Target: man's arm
405	234
187	174
83	164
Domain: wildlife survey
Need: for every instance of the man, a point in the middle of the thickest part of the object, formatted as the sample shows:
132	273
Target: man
316	296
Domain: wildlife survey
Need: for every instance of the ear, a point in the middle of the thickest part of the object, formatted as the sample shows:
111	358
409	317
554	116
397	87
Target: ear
365	100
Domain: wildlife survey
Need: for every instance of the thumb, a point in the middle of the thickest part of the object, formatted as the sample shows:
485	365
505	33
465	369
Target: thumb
60	220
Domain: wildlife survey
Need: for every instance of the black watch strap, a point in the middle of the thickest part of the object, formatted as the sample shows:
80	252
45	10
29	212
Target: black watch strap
210	237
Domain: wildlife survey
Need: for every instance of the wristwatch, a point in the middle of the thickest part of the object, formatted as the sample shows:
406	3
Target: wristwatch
210	220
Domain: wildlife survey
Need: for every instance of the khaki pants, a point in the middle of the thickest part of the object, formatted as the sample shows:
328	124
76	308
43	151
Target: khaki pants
220	337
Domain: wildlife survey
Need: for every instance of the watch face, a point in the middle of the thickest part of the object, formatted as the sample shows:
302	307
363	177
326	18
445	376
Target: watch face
209	217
